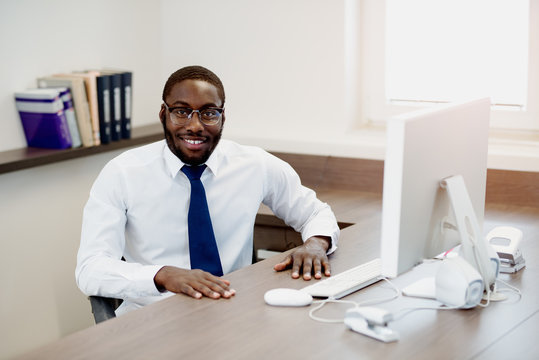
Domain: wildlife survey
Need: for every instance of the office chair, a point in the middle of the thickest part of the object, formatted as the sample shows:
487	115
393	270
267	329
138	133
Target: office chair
103	308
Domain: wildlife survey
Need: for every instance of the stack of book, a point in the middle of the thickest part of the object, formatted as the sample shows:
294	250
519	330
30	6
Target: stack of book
97	105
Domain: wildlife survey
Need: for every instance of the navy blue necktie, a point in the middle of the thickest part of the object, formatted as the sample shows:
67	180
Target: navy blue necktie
202	246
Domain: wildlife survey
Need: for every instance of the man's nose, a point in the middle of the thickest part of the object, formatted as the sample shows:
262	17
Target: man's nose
194	124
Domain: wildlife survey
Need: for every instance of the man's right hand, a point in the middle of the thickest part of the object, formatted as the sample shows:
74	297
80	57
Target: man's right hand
195	283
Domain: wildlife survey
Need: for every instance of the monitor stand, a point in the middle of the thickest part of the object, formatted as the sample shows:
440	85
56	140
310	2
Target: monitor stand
474	249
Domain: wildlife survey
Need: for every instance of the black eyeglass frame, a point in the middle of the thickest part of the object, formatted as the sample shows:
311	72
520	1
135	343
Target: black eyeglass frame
207	122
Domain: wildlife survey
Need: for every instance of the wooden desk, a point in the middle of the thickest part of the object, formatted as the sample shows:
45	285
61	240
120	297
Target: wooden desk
245	328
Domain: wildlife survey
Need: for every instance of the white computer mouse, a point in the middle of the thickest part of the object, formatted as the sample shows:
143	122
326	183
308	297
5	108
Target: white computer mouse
287	297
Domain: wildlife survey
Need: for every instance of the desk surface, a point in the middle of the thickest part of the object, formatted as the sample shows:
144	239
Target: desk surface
245	328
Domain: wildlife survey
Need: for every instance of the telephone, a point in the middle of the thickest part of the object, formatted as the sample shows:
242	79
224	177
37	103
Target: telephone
506	242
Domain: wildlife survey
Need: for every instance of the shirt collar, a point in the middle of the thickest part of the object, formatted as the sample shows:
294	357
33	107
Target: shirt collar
174	164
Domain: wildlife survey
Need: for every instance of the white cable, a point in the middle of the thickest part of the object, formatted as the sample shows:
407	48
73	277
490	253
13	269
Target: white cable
403	312
407	311
443	307
510	288
322	303
488	298
397	294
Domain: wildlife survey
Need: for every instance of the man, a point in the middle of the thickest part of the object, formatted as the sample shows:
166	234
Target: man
140	207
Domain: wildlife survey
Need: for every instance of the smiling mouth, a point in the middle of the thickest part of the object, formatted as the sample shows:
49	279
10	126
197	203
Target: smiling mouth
193	142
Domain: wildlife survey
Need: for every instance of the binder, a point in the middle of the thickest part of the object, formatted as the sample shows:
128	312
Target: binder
114	101
115	106
80	103
104	107
43	118
126	104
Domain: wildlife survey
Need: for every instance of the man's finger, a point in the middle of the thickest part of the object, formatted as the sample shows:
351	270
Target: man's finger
327	267
208	291
188	290
221	288
317	267
307	268
295	267
283	264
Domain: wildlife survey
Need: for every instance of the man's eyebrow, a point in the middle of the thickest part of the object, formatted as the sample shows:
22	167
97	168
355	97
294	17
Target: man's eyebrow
180	103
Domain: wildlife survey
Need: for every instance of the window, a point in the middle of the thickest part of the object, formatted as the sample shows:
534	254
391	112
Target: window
440	50
416	52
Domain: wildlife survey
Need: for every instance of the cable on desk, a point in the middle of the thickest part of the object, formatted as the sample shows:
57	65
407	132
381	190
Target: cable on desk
322	303
509	288
403	312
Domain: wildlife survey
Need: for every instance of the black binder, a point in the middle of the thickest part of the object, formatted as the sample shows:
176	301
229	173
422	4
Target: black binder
104	106
126	103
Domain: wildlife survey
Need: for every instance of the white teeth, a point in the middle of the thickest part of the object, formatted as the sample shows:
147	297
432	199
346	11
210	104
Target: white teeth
194	142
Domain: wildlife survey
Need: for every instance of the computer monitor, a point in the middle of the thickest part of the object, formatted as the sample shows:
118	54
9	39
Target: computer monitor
423	148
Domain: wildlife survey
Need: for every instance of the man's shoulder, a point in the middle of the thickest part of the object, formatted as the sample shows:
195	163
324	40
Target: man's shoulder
231	148
233	153
141	155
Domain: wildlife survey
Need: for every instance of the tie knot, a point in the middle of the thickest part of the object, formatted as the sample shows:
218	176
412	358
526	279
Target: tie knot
193	172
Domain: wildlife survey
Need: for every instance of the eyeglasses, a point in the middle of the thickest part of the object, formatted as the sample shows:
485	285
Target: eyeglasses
208	116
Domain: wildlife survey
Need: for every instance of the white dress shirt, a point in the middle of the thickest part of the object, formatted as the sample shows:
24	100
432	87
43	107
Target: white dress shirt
138	209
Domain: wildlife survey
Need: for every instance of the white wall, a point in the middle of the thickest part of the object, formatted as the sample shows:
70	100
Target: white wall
281	61
41	213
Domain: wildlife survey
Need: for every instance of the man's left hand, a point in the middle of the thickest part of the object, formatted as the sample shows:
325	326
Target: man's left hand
310	257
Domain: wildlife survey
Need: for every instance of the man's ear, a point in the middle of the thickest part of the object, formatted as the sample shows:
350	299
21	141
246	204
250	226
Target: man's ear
162	114
223	118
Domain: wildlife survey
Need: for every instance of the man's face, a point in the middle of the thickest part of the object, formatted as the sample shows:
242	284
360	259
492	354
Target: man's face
192	142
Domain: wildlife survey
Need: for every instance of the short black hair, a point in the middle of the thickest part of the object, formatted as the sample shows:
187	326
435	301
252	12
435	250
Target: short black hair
194	72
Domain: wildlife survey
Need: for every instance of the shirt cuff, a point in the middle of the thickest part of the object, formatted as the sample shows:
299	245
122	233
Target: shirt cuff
144	280
334	238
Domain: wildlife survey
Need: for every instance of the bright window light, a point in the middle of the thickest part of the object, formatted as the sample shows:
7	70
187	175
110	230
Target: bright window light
446	50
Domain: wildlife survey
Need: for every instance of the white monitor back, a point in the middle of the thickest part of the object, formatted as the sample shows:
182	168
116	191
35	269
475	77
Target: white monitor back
424	147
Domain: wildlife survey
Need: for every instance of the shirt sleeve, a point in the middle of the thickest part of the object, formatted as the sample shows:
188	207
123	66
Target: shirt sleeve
296	204
100	269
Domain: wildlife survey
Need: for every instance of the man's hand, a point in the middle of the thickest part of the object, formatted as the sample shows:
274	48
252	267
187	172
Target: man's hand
310	257
195	283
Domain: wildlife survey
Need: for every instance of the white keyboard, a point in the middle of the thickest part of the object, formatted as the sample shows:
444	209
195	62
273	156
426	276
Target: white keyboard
356	278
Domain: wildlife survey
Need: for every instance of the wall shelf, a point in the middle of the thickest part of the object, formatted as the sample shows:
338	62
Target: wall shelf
503	186
24	158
